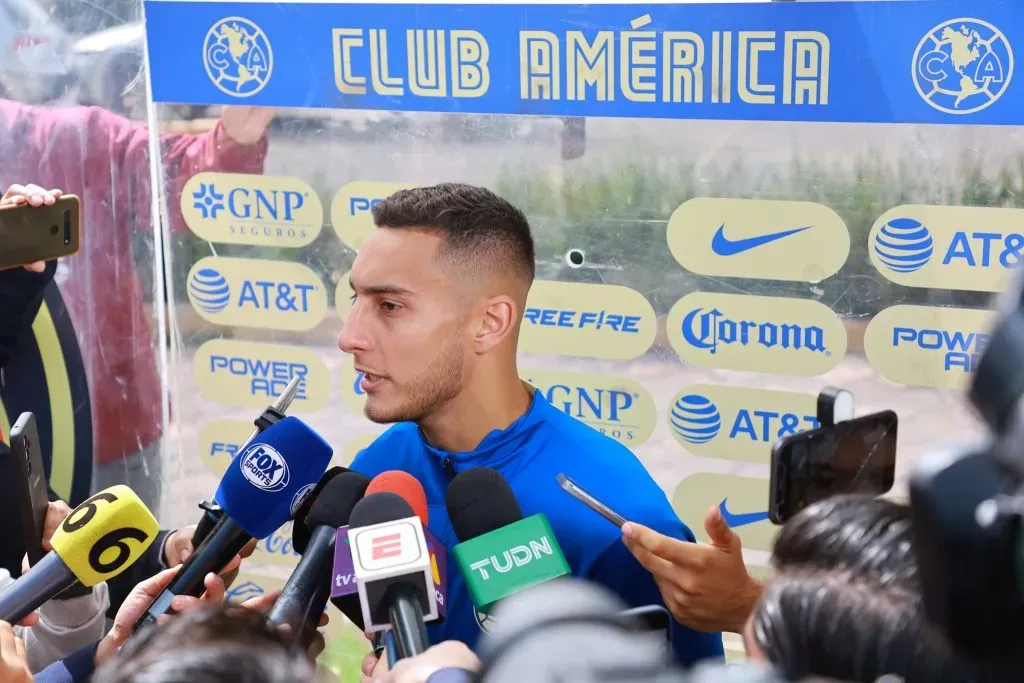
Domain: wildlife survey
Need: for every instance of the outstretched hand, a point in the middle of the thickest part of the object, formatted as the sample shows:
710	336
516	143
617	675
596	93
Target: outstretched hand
705	586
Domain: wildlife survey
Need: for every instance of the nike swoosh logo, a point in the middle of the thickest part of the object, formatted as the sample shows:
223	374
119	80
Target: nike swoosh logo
742	519
723	246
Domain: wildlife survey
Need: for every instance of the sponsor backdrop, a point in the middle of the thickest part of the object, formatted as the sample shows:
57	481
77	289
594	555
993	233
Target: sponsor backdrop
698	281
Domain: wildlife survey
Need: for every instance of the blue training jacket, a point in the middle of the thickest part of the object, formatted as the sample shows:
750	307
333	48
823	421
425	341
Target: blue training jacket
530	454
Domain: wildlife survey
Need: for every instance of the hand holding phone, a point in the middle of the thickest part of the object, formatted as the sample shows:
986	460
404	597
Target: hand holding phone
37	225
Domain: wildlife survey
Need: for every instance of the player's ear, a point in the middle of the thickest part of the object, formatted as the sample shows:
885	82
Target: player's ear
497	321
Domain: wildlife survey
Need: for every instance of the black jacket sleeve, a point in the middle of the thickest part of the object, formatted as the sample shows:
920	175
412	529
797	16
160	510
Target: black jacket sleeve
21	295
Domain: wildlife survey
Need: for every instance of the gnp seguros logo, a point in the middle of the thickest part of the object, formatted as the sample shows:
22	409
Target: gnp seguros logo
618	407
735	423
240	208
758	238
351	208
948	247
759	333
238	57
962	66
597	321
928	346
253	374
743	502
275	295
264	467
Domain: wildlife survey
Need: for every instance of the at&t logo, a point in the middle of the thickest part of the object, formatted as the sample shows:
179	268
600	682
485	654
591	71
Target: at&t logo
264	467
237	57
696	419
209	290
962	66
904	245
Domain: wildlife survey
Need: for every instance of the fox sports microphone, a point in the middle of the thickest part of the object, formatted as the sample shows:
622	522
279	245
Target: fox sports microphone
500	552
345	590
304	596
392	570
101	538
262	488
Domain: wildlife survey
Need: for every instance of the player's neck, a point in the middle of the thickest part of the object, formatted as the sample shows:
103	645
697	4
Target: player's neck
487	403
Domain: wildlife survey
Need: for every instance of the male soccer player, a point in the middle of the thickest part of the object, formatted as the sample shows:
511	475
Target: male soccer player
440	289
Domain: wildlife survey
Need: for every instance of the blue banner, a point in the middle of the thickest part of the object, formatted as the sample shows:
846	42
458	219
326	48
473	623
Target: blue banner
875	62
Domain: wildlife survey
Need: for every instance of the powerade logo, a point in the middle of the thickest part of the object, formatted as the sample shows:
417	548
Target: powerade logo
758	333
697	421
707	329
352	208
256	210
264	467
247	374
948	247
959	351
927	346
209	290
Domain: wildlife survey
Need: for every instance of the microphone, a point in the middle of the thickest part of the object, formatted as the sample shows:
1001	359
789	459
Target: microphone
263	487
304	597
393	571
500	552
272	414
345	590
101	538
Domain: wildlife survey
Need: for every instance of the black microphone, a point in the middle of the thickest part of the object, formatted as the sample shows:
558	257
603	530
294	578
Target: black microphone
393	570
304	597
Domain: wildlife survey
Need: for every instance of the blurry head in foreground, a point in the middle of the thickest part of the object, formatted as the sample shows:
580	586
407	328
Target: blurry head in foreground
845	603
440	289
220	644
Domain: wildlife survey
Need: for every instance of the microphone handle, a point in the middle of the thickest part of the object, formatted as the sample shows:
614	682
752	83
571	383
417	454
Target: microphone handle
407	624
48	578
225	540
304	597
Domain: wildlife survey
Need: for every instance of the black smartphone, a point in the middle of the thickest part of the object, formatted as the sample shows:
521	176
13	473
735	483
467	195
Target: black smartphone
29	484
655	620
853	456
39	233
577	492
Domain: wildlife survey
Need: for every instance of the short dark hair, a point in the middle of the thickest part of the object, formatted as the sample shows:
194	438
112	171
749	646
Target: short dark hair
479	227
837	626
220	644
870	537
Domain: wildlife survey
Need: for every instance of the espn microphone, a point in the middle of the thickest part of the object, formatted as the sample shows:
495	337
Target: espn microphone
345	591
262	488
304	597
500	552
101	538
393	572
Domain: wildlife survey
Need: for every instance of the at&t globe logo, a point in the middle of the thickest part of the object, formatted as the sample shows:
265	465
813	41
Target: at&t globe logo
962	66
237	57
904	245
696	419
209	291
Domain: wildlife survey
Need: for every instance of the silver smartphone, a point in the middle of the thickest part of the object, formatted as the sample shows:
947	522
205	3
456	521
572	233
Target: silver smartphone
594	504
655	621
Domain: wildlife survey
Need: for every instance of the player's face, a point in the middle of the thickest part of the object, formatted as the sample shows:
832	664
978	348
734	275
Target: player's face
407	329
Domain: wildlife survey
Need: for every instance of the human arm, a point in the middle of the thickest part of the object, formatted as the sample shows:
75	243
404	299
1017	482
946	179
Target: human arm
705	586
617	569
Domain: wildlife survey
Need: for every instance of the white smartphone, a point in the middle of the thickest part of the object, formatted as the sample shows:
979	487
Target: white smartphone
574	490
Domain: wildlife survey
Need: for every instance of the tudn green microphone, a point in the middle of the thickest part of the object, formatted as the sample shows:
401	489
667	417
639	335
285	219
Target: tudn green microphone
500	553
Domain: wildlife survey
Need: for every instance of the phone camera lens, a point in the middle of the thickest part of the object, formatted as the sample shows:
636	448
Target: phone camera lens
54	229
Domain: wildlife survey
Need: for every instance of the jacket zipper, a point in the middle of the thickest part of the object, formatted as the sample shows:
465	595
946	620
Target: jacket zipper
449	470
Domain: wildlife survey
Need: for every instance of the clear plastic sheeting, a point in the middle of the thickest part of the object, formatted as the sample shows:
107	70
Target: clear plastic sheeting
734	206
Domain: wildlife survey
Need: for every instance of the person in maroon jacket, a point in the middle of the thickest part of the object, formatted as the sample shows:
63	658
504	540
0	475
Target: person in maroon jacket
104	159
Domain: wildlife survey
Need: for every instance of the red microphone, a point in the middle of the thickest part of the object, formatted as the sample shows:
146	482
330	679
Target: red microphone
404	485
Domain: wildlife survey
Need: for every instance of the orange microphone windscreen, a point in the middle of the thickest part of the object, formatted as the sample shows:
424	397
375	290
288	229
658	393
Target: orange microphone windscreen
405	485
